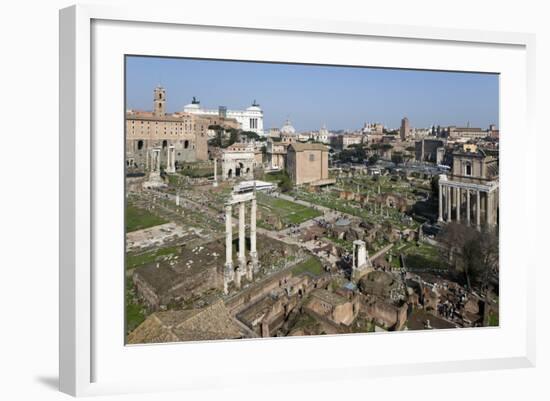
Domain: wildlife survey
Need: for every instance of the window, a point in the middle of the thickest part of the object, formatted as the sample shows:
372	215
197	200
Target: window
311	157
468	169
140	145
186	144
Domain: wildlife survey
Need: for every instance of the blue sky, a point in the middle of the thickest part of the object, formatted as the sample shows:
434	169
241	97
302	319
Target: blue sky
310	95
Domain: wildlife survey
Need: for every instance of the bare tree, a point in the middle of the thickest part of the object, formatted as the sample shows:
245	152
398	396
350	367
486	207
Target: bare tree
473	252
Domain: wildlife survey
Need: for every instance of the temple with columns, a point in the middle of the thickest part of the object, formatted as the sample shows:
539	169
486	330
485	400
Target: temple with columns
471	192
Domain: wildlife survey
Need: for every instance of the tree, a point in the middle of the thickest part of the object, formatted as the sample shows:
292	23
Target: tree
218	139
251	135
397	157
285	184
452	240
373	159
473	252
233	137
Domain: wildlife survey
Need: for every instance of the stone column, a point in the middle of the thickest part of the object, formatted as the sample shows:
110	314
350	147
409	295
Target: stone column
488	208
170	164
173	159
468	206
440	203
242	238
478	209
253	251
158	160
458	202
449	204
228	270
359	254
215	172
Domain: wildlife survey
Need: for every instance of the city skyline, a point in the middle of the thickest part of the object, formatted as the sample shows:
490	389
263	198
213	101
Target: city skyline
312	95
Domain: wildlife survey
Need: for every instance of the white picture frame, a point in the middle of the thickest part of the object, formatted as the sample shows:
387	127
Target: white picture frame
92	351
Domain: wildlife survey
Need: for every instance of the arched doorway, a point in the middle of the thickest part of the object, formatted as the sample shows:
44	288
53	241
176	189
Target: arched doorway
238	170
229	173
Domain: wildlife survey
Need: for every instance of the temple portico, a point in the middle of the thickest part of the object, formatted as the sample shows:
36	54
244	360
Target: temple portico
468	202
471	192
244	267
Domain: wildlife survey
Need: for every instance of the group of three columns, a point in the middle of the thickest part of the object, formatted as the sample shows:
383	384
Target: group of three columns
232	274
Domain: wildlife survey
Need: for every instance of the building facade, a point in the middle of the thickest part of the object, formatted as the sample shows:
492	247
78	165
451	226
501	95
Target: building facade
307	163
466	133
183	134
426	150
238	161
344	141
471	192
250	119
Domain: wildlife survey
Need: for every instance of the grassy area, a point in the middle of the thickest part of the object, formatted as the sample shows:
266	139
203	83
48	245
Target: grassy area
422	256
288	212
274	176
311	265
138	219
197	172
332	201
135	313
492	319
307	324
362	326
151	256
347	245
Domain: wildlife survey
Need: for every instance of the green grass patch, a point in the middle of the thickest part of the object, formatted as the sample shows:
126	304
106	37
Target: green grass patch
138	219
311	265
306	323
135	313
274	176
492	319
289	212
197	172
151	256
347	245
422	256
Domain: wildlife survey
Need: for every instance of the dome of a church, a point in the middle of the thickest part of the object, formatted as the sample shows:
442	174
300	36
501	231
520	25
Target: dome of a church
287	128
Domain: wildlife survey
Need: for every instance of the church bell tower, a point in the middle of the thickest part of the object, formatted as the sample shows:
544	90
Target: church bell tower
160	101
